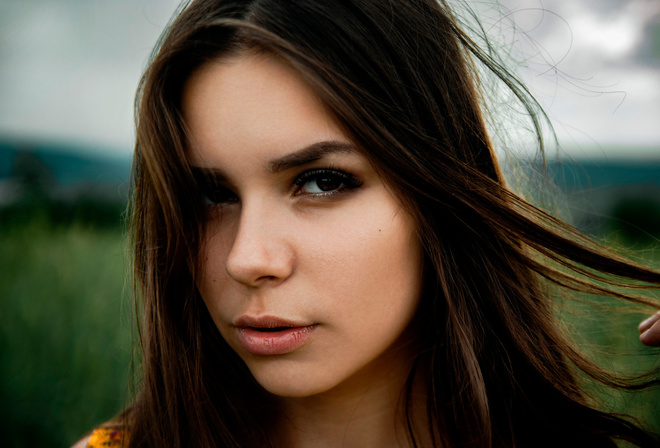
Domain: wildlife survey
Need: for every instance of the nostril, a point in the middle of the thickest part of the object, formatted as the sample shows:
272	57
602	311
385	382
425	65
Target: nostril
257	259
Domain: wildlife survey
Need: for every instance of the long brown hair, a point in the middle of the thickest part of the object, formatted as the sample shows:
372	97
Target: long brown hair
401	77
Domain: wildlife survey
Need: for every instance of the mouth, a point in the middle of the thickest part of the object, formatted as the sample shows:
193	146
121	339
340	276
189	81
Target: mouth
269	336
268	323
269	330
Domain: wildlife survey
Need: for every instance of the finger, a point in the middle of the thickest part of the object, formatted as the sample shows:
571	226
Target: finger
651	336
648	323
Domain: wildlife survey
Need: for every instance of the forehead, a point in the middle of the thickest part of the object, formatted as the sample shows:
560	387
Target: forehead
254	105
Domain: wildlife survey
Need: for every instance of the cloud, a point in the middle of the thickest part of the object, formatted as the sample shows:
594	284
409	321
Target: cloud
70	67
584	61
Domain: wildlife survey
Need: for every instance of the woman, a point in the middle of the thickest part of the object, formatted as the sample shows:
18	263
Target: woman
326	250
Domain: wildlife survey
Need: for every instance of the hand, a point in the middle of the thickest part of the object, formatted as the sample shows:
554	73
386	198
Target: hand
650	330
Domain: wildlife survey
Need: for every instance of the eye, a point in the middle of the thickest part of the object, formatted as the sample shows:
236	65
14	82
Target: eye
212	190
218	195
325	182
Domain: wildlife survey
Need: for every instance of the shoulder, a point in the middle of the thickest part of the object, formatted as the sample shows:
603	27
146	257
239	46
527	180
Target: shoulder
103	437
82	443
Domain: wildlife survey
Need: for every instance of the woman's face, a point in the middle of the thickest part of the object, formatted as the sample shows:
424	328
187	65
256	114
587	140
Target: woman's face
311	268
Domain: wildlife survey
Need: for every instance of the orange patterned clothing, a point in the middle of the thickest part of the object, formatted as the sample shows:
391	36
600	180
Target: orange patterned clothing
107	437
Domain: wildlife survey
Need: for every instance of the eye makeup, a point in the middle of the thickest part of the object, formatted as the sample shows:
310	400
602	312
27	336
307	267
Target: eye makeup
316	183
212	187
325	182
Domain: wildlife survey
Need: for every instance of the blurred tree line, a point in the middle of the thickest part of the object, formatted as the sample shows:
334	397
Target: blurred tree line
31	193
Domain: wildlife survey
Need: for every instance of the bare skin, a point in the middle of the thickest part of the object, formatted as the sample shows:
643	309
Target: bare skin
82	443
354	415
650	331
303	234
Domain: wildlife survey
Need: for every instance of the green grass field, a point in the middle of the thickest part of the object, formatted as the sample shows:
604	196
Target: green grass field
66	335
66	332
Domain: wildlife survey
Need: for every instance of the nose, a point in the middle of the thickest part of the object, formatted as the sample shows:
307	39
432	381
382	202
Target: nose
261	252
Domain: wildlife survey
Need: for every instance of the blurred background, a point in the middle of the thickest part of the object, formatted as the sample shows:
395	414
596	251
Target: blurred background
67	78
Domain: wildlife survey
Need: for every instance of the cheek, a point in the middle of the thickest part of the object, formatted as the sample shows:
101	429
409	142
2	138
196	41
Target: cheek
370	263
213	278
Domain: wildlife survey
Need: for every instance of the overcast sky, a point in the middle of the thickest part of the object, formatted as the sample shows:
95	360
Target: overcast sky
69	68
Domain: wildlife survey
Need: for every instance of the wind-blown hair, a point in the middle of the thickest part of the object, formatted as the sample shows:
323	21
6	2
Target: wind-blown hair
400	77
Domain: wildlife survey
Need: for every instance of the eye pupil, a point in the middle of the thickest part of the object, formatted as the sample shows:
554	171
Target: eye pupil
325	182
228	196
328	183
219	195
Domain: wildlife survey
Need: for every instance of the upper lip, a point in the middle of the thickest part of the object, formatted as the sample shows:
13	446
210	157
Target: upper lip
266	322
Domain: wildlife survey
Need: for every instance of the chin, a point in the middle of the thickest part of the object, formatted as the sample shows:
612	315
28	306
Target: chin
288	390
290	381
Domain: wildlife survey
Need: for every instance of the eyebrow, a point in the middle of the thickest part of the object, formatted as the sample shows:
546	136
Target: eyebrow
308	154
311	153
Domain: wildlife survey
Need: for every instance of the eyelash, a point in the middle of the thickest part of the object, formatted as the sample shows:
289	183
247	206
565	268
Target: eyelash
347	182
210	190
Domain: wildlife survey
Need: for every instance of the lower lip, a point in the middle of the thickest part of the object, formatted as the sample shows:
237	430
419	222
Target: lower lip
274	342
